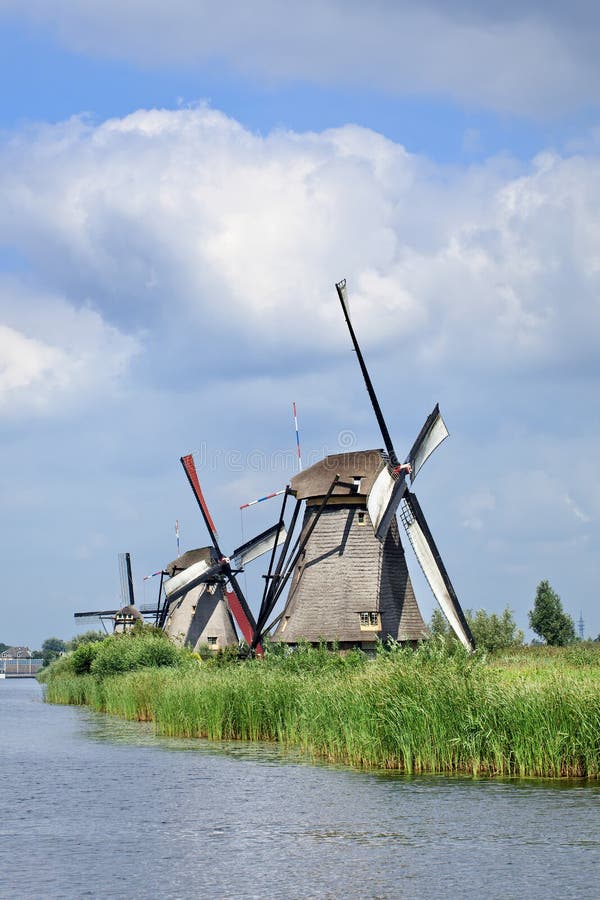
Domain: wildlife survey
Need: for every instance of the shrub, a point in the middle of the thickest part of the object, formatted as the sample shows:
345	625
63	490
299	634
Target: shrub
83	657
124	652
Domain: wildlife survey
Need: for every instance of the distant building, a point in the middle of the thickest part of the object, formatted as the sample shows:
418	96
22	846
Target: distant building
16	653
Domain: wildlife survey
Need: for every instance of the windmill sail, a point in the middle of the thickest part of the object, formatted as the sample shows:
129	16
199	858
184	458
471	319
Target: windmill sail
258	545
190	470
127	597
237	602
390	485
433	568
189	578
96	614
384	499
432	434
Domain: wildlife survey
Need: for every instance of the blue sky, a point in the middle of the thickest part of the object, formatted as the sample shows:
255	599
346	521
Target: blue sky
181	189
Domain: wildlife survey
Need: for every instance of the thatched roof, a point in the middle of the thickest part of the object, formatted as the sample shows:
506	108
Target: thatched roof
202	554
316	480
129	612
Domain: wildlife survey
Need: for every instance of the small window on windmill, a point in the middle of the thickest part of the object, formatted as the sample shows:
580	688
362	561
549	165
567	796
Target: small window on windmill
370	621
212	642
356	484
360	520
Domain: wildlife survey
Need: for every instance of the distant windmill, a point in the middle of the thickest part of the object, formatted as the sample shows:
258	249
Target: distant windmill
124	618
204	599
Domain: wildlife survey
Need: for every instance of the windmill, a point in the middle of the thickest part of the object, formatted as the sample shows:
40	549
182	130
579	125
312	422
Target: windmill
350	582
124	618
204	599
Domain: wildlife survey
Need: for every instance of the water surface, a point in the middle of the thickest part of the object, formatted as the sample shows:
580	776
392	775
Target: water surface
97	807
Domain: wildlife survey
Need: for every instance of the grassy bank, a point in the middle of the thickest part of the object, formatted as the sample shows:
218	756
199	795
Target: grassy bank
529	714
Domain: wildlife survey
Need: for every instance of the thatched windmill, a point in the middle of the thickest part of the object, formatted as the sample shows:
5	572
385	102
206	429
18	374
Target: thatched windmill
197	614
204	600
348	585
349	578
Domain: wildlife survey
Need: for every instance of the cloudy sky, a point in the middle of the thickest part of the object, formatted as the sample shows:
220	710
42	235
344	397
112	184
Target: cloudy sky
181	186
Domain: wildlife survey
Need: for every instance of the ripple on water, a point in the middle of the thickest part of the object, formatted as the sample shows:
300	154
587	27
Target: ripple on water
104	808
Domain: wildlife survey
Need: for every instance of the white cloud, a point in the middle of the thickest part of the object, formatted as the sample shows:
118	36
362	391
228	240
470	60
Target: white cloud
217	249
53	356
576	510
186	224
527	57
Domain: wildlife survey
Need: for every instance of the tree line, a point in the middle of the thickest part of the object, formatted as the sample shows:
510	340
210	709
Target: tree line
54	647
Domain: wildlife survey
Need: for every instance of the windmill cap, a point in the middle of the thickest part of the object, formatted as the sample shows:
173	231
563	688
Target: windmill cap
315	481
128	612
190	558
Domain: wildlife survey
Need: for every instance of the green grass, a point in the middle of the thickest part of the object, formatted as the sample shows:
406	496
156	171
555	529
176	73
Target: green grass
533	712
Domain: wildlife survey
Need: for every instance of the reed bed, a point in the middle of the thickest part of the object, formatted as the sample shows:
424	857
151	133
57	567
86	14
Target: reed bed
413	712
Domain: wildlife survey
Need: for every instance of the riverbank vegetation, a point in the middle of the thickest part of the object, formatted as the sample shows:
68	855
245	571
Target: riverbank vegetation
529	711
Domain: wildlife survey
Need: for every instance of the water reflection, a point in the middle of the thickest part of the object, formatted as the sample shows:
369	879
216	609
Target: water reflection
117	731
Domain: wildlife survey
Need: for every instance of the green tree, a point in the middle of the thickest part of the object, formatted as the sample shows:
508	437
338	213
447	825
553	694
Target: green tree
493	632
3	647
438	626
52	648
87	637
548	619
440	629
490	631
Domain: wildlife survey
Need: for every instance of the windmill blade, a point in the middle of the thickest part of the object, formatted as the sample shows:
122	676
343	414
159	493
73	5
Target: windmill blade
342	294
255	547
190	578
272	573
239	608
432	434
241	612
127	597
190	470
384	499
274	577
433	568
95	614
390	485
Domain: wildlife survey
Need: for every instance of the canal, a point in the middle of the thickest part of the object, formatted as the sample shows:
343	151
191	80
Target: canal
96	807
